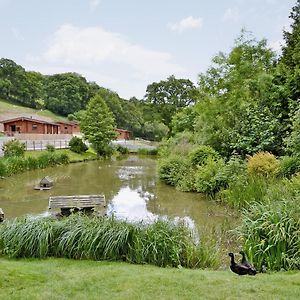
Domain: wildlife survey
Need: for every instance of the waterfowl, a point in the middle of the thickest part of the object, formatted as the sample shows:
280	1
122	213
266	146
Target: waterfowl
236	267
244	262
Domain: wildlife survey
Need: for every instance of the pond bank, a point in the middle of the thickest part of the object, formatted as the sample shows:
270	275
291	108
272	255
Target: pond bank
69	279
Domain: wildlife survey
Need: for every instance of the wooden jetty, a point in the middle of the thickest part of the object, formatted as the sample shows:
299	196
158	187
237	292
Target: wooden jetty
45	184
84	203
1	215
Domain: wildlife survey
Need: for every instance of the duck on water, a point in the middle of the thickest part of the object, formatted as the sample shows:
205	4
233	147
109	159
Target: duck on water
243	268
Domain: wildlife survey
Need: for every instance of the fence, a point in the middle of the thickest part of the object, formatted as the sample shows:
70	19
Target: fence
42	144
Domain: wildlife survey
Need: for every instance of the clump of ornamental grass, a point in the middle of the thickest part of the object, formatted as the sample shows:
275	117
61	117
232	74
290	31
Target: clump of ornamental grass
270	233
162	243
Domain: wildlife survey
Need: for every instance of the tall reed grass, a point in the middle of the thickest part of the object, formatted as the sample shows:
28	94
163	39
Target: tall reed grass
162	243
13	165
271	234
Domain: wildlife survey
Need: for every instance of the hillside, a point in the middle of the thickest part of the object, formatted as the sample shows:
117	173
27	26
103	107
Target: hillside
9	110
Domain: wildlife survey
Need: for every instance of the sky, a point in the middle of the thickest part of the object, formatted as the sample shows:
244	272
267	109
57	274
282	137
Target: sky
125	45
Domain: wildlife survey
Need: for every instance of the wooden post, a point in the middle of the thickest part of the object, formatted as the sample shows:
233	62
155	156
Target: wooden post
33	145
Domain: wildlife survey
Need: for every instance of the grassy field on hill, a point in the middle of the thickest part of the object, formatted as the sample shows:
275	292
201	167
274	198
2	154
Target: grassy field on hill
9	110
69	279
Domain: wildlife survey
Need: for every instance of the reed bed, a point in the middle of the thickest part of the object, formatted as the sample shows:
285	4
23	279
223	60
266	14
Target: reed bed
162	243
271	235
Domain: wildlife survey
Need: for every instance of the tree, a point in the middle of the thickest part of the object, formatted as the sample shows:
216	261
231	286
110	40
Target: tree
66	93
98	125
169	96
241	110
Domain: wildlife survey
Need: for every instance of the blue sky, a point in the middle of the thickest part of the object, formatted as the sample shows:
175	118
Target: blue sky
126	45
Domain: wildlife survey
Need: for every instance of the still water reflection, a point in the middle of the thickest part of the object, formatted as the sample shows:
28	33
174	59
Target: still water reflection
130	185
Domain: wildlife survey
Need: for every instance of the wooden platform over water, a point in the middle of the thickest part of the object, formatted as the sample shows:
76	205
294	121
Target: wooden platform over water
77	202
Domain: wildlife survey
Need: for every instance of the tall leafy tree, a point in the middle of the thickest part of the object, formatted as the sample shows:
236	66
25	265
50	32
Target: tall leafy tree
169	96
98	125
66	93
240	111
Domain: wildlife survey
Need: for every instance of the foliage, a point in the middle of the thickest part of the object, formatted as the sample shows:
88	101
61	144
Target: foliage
98	125
289	166
155	130
244	191
270	233
201	154
162	243
293	140
184	120
66	93
13	148
77	145
15	164
147	151
170	96
263	163
50	148
209	177
122	150
172	169
240	111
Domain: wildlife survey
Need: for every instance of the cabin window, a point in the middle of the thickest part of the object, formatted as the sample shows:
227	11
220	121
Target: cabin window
34	126
66	127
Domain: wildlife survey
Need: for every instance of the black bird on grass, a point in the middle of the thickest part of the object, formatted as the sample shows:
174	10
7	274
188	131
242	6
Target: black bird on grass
236	267
244	262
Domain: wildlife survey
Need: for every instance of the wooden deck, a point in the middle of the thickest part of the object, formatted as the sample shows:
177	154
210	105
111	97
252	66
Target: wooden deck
77	202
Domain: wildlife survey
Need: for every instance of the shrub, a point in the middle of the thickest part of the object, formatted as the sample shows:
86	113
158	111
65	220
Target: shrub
122	150
77	145
50	148
209	177
2	168
14	148
263	163
289	165
200	155
271	235
146	151
172	169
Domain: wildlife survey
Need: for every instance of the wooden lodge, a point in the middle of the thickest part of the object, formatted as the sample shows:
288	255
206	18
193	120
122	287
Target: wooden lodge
122	134
35	126
84	203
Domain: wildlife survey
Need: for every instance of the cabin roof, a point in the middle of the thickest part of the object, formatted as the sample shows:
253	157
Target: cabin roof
28	119
47	179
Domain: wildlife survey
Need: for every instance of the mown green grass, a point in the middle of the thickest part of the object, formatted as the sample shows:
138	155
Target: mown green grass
68	279
74	157
10	108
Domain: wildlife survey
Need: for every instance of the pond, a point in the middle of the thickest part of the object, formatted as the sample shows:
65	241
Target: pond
130	185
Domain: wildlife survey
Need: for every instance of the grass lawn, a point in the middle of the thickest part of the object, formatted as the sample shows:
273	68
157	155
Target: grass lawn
69	279
74	157
7	108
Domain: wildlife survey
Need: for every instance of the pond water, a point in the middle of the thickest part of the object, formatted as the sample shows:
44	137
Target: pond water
131	188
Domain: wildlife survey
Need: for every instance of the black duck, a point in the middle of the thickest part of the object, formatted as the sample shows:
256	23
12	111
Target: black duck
244	262
236	267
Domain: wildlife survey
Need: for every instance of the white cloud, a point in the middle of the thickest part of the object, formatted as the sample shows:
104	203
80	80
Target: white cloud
86	46
186	24
231	14
108	58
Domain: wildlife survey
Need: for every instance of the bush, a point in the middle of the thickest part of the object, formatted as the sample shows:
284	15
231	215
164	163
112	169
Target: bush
2	168
146	151
209	177
289	165
50	148
271	235
122	150
263	163
172	169
77	145
14	148
200	155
